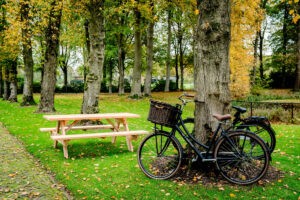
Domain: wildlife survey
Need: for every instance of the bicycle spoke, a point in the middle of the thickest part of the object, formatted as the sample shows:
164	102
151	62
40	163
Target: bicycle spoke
159	156
245	166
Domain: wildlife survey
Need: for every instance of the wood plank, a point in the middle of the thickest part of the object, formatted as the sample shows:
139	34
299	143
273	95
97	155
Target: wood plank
106	126
90	116
98	135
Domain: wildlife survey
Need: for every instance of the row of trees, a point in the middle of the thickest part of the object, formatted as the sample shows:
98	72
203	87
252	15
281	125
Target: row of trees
139	36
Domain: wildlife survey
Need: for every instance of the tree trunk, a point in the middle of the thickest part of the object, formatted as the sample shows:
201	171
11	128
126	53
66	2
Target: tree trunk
51	55
121	60
179	39
261	65
297	82
64	56
168	61
176	69
27	55
13	97
96	58
137	69
88	44
150	32
211	64
110	69
255	55
284	45
5	73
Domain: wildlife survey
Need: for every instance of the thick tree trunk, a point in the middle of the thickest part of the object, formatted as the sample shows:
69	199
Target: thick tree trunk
51	55
150	33
211	64
27	56
96	58
137	69
13	97
168	61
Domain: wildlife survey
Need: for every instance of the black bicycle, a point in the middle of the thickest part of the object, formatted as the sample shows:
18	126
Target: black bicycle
259	125
240	156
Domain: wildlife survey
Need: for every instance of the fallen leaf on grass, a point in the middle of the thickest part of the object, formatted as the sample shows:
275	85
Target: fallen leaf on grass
12	175
232	195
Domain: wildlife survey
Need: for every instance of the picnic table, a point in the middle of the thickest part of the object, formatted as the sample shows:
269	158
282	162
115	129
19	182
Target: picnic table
117	123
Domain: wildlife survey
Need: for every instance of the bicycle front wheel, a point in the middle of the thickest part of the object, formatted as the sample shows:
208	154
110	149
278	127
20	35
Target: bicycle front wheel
242	157
160	155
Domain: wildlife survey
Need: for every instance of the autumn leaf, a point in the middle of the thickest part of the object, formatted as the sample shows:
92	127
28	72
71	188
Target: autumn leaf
232	195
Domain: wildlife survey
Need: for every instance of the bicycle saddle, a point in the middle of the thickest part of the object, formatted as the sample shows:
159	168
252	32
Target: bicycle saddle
240	109
222	117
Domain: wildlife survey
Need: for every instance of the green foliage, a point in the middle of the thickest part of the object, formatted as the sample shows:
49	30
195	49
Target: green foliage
159	86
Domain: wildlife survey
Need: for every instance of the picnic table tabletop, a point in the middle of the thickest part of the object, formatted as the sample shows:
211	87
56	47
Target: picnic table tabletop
90	116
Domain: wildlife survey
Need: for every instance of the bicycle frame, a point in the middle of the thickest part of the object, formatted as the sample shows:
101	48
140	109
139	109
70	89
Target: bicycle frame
189	139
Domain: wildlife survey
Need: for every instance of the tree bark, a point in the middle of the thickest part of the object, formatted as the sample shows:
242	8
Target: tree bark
64	56
261	65
168	61
150	32
5	73
121	60
27	55
13	97
96	58
52	44
211	61
180	49
137	69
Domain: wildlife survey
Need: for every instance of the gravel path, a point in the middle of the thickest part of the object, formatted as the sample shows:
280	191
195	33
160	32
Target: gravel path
21	176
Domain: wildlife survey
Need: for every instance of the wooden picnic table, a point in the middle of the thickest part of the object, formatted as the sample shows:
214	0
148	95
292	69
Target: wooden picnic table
117	123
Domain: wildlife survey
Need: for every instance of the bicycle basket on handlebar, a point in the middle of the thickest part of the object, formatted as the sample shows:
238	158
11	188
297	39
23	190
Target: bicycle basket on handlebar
163	113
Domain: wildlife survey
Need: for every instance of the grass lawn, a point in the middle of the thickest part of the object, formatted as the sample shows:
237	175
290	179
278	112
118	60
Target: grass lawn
97	169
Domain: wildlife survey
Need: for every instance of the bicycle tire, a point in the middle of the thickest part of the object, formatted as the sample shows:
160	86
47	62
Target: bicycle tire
160	155
242	157
266	133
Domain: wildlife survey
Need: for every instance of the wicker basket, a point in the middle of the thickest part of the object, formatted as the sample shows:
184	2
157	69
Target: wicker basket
163	113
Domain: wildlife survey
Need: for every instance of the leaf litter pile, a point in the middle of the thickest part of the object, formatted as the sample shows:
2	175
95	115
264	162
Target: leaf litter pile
207	175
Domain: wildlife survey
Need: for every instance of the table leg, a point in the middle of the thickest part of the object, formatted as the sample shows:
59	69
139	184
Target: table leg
65	148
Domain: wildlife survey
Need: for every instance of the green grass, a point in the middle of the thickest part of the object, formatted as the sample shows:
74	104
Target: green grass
97	169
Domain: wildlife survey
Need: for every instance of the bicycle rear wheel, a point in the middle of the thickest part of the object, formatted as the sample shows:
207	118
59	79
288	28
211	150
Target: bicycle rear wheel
160	155
242	157
266	133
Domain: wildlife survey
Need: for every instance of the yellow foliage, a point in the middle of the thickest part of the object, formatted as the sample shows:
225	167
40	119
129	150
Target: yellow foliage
246	18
